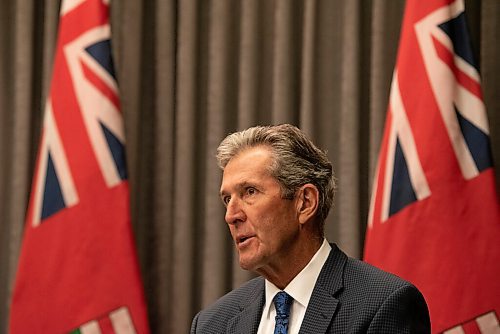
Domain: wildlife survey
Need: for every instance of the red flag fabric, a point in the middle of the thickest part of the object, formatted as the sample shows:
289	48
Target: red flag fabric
78	269
435	216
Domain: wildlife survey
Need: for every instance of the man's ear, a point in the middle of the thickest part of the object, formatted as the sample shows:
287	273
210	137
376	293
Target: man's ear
307	204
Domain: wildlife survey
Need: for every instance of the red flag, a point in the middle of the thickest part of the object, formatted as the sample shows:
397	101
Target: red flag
78	268
435	215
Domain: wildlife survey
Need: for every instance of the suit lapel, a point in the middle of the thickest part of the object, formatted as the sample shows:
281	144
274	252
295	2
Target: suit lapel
248	320
322	305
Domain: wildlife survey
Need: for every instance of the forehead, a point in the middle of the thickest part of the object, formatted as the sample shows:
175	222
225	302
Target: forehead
251	163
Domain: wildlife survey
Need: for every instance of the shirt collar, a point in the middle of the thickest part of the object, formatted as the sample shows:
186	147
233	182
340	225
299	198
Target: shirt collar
302	286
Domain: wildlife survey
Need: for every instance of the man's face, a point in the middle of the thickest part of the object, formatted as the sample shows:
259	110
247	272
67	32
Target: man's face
263	225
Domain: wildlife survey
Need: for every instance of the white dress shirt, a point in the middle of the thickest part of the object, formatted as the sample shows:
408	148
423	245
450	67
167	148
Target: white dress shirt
300	288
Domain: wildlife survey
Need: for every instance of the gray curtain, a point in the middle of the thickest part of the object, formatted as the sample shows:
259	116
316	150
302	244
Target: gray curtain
189	73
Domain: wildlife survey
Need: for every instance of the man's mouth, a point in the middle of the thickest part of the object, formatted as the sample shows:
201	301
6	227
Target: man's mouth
242	240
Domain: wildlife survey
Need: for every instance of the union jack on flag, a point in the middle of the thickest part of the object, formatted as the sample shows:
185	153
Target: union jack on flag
90	68
78	257
434	214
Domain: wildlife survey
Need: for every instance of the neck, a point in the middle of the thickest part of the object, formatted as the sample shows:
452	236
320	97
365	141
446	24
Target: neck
283	272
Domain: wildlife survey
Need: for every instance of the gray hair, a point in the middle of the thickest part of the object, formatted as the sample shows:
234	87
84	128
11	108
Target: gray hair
297	161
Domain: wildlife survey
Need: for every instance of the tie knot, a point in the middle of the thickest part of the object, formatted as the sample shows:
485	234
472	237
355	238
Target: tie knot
282	302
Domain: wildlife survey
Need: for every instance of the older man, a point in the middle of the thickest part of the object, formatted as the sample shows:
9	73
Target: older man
278	188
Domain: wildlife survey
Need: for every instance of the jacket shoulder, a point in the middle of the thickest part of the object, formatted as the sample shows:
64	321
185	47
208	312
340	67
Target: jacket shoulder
382	302
373	278
342	274
214	318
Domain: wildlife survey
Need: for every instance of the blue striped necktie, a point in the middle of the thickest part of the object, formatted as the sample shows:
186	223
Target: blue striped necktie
282	302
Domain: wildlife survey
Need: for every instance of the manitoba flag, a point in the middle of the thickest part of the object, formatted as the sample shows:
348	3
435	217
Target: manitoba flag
78	261
434	216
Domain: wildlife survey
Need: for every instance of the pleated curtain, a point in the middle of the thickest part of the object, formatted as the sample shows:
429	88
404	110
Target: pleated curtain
189	73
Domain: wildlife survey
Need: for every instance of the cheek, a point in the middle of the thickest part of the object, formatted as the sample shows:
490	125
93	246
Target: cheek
271	218
275	221
285	220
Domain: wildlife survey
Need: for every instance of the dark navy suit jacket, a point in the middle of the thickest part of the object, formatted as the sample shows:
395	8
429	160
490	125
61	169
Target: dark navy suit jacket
350	296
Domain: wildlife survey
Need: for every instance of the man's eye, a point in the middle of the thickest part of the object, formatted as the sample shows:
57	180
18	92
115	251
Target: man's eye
251	191
226	200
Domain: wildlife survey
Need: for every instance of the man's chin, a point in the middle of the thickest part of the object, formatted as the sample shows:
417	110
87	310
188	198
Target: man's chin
248	264
245	266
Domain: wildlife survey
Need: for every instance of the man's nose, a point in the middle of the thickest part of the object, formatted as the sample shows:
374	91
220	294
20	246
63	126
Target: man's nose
234	212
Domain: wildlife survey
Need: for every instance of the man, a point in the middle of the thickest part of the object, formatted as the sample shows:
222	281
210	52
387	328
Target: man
278	188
